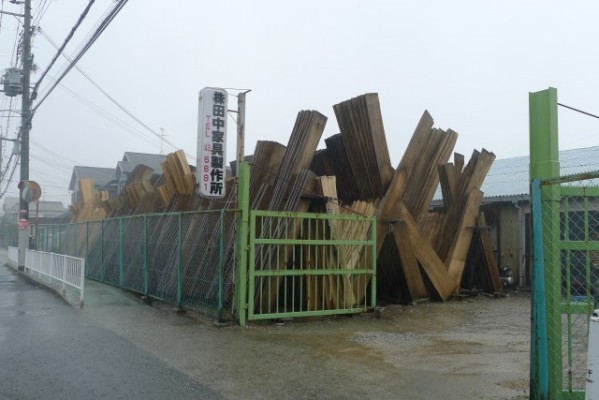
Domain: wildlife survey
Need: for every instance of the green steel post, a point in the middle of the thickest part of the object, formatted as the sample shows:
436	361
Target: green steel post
221	260
87	245
145	254
243	203
60	251
538	354
544	164
179	249
373	266
102	251
121	252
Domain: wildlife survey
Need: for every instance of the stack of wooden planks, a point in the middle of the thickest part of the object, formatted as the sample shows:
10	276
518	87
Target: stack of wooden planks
89	206
358	156
421	254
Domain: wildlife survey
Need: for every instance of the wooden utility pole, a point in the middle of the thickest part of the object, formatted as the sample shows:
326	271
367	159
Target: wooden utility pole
25	128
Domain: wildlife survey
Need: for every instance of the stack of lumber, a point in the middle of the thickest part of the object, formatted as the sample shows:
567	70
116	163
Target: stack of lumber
339	291
358	156
420	254
481	270
293	180
89	206
266	163
177	176
432	259
462	191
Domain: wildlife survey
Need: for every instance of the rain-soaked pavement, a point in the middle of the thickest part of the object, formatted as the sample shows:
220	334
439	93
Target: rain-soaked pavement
49	350
117	347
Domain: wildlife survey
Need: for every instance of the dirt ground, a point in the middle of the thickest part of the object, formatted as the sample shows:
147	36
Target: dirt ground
472	349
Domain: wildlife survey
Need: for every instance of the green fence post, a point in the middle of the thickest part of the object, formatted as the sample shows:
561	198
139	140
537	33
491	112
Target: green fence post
146	254
544	164
243	203
179	250
373	266
221	260
102	250
538	353
87	246
121	252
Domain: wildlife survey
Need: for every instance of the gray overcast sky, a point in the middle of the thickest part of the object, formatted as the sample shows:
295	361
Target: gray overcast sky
470	63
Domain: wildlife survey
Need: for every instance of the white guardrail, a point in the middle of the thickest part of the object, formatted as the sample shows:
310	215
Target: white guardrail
56	268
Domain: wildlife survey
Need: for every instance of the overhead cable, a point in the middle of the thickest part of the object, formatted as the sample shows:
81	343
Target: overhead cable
64	44
103	25
577	110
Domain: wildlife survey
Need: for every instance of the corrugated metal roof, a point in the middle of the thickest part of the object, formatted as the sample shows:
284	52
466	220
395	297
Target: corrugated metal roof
508	177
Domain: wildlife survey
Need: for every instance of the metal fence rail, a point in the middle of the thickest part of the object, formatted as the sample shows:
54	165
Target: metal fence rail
186	258
52	268
304	264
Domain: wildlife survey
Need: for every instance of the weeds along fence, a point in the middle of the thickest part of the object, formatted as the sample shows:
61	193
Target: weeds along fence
185	258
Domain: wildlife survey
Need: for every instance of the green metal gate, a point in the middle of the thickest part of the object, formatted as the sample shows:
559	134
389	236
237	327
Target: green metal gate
565	220
304	264
571	269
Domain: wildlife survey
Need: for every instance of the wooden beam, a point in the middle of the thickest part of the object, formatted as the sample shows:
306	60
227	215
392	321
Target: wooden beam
432	265
409	263
487	248
456	257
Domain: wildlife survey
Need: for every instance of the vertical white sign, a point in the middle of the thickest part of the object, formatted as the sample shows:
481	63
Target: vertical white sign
212	138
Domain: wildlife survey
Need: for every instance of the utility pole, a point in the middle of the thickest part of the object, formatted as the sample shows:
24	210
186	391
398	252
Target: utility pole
25	128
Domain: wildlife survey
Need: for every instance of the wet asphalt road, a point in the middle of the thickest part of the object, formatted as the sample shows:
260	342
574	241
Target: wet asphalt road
49	350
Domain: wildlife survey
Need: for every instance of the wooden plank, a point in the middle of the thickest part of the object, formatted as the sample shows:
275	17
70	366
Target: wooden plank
487	248
377	130
409	263
449	184
387	206
339	288
456	257
458	162
432	265
365	144
304	182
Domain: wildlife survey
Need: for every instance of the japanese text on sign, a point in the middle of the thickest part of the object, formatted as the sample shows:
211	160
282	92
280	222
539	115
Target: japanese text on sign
212	135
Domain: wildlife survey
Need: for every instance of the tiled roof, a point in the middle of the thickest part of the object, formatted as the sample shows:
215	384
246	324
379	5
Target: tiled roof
151	160
101	176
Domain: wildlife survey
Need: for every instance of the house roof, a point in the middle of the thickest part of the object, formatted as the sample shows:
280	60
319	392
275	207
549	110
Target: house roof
101	176
11	204
151	160
509	177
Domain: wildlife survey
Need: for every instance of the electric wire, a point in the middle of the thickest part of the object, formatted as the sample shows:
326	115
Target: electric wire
578	110
41	11
119	6
63	46
109	116
117	103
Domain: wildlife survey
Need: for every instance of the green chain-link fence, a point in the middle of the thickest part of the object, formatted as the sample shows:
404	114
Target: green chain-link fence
187	259
570	228
565	233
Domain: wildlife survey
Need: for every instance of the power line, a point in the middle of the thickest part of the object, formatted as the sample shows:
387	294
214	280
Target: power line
117	8
64	44
578	110
115	102
41	12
